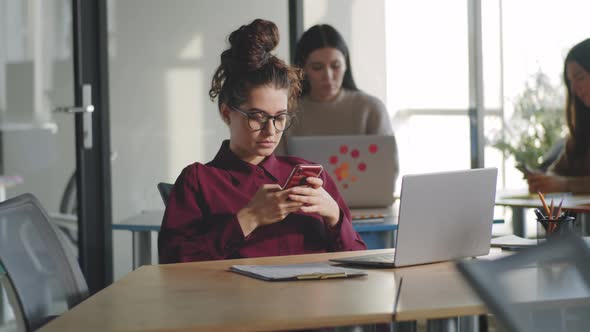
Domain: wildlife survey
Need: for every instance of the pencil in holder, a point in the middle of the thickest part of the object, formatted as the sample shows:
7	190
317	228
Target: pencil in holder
552	228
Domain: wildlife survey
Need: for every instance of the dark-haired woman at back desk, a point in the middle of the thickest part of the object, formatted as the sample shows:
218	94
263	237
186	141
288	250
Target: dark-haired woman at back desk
571	171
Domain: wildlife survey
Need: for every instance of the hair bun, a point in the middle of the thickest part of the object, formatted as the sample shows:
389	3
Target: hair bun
251	46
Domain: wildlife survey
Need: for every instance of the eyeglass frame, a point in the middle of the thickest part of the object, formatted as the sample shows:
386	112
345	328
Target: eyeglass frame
268	118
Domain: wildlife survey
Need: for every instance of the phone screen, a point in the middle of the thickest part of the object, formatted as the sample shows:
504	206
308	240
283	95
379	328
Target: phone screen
300	174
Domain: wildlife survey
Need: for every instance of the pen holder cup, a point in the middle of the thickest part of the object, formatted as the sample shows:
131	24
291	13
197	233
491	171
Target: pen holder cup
548	229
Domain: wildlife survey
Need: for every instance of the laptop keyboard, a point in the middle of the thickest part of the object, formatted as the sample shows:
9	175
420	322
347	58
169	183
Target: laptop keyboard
386	257
372	214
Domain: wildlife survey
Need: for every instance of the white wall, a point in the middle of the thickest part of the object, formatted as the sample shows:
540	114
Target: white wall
162	57
362	24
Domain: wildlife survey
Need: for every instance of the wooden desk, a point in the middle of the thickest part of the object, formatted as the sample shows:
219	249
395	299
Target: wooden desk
206	297
435	291
520	200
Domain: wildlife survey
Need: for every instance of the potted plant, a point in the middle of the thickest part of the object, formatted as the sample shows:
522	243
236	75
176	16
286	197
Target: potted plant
536	125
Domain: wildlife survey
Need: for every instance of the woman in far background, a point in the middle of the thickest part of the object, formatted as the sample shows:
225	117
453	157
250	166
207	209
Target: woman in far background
571	171
331	103
329	91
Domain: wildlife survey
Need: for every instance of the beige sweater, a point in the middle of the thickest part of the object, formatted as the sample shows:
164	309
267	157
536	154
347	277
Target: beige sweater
351	113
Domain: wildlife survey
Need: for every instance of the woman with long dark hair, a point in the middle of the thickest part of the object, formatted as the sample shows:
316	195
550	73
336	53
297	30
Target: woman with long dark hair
571	171
331	103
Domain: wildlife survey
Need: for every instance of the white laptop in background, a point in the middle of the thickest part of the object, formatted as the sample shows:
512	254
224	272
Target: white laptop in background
442	216
363	167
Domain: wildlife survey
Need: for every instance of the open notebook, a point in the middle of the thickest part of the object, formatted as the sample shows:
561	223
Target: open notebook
307	271
513	241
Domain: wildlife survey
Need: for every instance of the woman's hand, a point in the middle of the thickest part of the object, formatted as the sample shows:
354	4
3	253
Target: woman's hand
316	200
546	183
268	206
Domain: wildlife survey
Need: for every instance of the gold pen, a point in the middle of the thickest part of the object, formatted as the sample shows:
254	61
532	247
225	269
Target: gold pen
321	276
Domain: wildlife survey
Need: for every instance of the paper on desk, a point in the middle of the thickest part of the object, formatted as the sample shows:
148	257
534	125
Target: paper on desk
294	271
513	241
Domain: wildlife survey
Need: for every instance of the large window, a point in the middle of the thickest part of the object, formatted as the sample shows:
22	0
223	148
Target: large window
536	38
428	70
430	57
428	85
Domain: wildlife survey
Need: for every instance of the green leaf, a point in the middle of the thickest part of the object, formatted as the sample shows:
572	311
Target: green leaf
537	123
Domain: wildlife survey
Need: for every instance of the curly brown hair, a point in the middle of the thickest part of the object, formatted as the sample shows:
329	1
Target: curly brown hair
249	63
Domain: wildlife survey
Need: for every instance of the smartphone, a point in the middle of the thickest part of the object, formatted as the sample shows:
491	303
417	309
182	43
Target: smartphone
300	173
526	171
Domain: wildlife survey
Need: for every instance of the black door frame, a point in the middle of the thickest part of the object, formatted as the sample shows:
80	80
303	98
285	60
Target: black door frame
295	26
93	165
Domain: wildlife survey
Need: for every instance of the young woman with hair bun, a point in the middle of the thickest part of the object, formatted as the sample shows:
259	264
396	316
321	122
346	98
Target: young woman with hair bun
234	206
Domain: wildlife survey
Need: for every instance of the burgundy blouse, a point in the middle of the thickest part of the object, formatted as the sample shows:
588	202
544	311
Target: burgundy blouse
200	220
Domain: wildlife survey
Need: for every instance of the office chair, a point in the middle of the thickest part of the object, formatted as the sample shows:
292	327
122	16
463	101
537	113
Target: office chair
544	288
66	219
44	278
165	189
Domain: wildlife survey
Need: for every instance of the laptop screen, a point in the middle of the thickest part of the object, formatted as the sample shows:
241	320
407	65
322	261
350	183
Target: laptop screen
363	167
445	215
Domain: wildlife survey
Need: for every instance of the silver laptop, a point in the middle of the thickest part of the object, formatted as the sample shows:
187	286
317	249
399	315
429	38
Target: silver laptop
442	216
363	166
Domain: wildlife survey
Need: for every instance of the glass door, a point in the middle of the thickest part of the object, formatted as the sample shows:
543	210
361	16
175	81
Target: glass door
36	75
52	123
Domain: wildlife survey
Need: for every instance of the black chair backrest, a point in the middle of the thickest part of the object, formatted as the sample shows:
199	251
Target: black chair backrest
165	189
544	288
43	273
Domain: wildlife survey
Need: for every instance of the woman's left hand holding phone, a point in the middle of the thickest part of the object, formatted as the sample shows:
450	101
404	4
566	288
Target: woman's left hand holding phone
315	199
269	205
547	183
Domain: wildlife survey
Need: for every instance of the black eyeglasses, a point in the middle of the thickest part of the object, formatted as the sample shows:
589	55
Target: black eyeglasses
257	120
